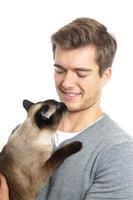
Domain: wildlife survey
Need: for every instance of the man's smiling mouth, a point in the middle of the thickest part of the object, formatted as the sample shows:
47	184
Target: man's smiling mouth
68	95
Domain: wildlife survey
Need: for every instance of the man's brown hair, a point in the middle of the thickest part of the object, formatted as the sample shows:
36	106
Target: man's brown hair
84	31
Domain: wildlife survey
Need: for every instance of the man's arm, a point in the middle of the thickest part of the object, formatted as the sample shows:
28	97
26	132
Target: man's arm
114	176
4	193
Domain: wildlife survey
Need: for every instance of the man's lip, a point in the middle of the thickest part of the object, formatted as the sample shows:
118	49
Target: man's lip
70	94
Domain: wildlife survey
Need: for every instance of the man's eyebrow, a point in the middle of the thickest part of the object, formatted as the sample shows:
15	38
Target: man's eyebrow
83	69
56	65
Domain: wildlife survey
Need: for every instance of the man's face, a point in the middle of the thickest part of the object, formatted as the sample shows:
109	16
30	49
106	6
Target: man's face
77	79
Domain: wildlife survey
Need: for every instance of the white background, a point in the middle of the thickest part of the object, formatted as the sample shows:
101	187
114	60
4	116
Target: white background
26	63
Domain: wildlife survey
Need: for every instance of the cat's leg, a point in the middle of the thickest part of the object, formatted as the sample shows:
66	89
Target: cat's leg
60	155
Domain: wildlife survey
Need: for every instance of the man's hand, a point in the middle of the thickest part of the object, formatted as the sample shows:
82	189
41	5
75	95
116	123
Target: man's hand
4	193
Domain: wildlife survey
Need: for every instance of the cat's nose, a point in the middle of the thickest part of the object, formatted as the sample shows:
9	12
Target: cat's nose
46	108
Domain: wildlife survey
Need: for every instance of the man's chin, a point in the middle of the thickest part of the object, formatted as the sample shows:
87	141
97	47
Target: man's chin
72	107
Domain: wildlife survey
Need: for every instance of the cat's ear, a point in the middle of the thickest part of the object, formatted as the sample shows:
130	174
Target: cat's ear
27	104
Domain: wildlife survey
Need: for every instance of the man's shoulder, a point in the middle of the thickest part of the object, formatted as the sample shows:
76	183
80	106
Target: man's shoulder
114	132
104	134
107	128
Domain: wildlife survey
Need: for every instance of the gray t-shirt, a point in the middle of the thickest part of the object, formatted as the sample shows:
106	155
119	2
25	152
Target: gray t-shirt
102	170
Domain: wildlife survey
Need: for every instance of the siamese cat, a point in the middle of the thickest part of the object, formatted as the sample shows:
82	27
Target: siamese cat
27	160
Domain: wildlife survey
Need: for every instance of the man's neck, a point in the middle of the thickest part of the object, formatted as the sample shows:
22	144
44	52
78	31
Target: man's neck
76	121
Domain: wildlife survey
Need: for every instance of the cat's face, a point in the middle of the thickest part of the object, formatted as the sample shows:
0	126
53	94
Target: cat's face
45	114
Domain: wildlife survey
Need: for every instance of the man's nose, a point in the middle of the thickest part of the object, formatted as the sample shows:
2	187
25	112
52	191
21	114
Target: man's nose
68	80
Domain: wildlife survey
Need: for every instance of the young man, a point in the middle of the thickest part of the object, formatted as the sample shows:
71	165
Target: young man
83	54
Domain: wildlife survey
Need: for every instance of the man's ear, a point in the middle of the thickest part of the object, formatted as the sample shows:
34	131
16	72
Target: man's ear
27	104
106	75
